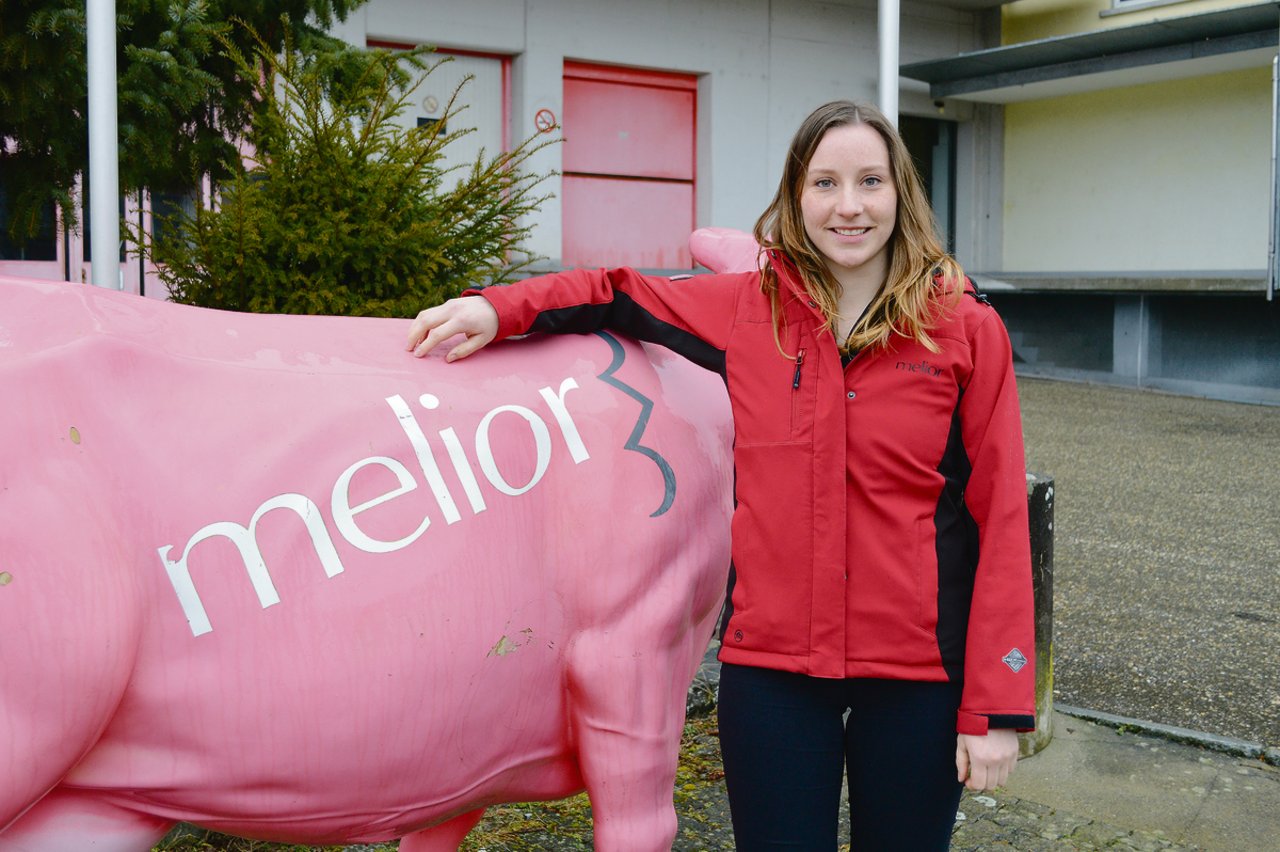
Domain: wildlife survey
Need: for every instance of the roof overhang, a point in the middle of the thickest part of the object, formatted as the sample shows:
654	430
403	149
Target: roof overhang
1167	49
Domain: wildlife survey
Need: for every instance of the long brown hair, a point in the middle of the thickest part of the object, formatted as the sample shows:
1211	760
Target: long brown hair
908	302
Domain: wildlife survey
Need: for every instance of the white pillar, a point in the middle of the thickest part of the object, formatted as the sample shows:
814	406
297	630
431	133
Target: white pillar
887	19
104	148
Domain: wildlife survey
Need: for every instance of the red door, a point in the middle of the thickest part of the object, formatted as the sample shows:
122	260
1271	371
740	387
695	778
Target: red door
628	185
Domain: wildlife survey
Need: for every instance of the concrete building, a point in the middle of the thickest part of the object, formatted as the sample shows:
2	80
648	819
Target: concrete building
676	114
1135	241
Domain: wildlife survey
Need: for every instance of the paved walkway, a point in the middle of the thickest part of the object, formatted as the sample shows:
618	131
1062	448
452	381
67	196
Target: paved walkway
1097	787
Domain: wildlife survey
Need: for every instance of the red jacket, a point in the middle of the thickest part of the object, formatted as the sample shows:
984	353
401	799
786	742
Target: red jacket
881	521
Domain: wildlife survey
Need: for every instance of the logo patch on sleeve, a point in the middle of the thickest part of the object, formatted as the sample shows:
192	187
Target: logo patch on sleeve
1014	660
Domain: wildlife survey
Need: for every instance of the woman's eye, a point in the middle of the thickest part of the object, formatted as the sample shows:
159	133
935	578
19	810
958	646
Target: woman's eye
872	180
824	183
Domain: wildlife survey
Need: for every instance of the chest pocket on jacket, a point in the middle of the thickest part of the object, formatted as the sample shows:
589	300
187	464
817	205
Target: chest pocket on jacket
773	396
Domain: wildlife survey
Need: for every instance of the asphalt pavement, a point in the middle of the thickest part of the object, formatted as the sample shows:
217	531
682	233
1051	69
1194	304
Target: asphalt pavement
1166	554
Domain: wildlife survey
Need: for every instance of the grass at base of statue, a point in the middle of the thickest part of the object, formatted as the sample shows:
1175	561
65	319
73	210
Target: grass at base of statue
566	824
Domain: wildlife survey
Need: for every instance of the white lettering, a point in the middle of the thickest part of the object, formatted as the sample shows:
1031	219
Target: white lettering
425	458
458	457
246	541
462	467
344	514
568	428
542	441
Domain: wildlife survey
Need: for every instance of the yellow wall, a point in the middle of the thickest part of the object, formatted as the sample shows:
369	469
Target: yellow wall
1165	176
1027	20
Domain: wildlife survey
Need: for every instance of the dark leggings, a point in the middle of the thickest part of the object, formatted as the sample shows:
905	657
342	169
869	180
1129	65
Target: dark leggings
786	742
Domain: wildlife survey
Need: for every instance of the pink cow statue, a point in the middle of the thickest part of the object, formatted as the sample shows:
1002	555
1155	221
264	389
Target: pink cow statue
273	576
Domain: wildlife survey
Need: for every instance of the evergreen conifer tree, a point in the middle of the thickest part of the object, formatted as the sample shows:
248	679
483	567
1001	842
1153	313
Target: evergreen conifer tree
345	210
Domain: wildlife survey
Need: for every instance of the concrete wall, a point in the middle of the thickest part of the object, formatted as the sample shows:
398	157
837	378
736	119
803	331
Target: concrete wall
1169	176
762	66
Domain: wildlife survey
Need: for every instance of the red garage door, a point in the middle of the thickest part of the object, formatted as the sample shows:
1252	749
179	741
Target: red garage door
628	167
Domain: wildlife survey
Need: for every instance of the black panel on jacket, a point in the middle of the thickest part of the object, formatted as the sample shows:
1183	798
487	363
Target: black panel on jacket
956	539
624	315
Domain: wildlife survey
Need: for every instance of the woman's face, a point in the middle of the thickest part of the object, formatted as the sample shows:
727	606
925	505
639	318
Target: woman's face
849	203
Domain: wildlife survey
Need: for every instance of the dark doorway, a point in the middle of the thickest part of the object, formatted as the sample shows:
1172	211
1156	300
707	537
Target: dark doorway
932	143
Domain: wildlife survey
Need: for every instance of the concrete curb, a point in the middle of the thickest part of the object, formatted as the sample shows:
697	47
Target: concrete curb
1213	742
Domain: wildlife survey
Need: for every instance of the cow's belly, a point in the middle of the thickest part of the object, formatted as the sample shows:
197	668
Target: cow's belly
359	814
414	712
351	811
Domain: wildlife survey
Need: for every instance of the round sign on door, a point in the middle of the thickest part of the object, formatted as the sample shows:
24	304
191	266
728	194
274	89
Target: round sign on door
544	120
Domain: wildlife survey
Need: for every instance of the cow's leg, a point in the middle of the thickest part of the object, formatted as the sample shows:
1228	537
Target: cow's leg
71	821
445	837
71	622
627	729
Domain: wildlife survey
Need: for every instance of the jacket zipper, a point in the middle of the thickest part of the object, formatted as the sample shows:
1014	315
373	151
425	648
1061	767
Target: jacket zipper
795	387
795	382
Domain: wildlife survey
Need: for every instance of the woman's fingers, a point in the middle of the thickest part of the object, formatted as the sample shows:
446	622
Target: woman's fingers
471	344
422	325
471	316
436	333
985	762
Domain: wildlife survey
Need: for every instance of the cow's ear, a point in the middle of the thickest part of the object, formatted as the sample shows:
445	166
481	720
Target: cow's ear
725	250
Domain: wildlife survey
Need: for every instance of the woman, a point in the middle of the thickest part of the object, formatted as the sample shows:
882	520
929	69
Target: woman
879	614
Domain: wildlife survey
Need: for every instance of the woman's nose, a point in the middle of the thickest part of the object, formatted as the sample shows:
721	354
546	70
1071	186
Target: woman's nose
849	203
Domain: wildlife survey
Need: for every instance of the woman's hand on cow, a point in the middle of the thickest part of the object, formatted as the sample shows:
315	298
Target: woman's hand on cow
472	316
984	762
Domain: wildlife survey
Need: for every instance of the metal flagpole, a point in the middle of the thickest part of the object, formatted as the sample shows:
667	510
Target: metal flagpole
887	26
104	147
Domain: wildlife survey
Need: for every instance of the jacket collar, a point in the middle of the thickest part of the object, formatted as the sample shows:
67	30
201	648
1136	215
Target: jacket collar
790	282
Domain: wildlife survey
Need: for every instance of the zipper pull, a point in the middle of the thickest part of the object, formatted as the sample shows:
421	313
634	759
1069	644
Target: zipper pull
795	382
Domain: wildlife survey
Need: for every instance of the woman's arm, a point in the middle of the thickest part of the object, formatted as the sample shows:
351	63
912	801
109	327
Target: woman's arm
692	315
999	670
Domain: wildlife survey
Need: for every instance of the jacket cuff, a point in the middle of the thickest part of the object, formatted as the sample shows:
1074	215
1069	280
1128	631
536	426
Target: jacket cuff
508	325
1017	721
980	724
974	724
